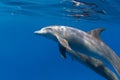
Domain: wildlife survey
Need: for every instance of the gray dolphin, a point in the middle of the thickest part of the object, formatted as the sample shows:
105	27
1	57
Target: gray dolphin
81	42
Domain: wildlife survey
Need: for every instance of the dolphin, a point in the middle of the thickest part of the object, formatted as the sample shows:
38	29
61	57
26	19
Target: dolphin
84	43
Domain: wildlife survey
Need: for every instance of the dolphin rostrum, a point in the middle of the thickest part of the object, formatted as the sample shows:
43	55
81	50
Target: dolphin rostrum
82	42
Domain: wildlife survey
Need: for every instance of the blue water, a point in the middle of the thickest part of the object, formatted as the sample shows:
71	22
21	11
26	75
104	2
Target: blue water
25	56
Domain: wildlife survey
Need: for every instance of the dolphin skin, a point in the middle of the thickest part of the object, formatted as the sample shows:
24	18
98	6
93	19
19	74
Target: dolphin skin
87	43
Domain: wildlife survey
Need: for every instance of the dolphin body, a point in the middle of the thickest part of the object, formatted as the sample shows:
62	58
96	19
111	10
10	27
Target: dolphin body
78	43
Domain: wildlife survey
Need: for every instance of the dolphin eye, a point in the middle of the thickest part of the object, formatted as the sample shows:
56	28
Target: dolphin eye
62	29
49	29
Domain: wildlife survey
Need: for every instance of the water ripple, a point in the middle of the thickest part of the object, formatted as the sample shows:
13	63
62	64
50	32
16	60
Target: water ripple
76	9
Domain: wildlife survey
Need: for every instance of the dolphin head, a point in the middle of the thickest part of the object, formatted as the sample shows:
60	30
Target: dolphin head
50	32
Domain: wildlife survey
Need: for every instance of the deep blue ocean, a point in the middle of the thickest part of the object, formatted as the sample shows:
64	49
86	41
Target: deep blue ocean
26	56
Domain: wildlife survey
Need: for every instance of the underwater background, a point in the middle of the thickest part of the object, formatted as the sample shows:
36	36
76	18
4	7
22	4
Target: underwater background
25	56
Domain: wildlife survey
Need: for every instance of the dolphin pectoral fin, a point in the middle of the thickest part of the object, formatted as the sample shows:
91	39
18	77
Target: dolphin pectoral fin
96	32
63	42
62	51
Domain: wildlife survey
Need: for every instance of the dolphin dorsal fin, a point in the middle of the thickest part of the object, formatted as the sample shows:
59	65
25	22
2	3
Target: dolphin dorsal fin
96	32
